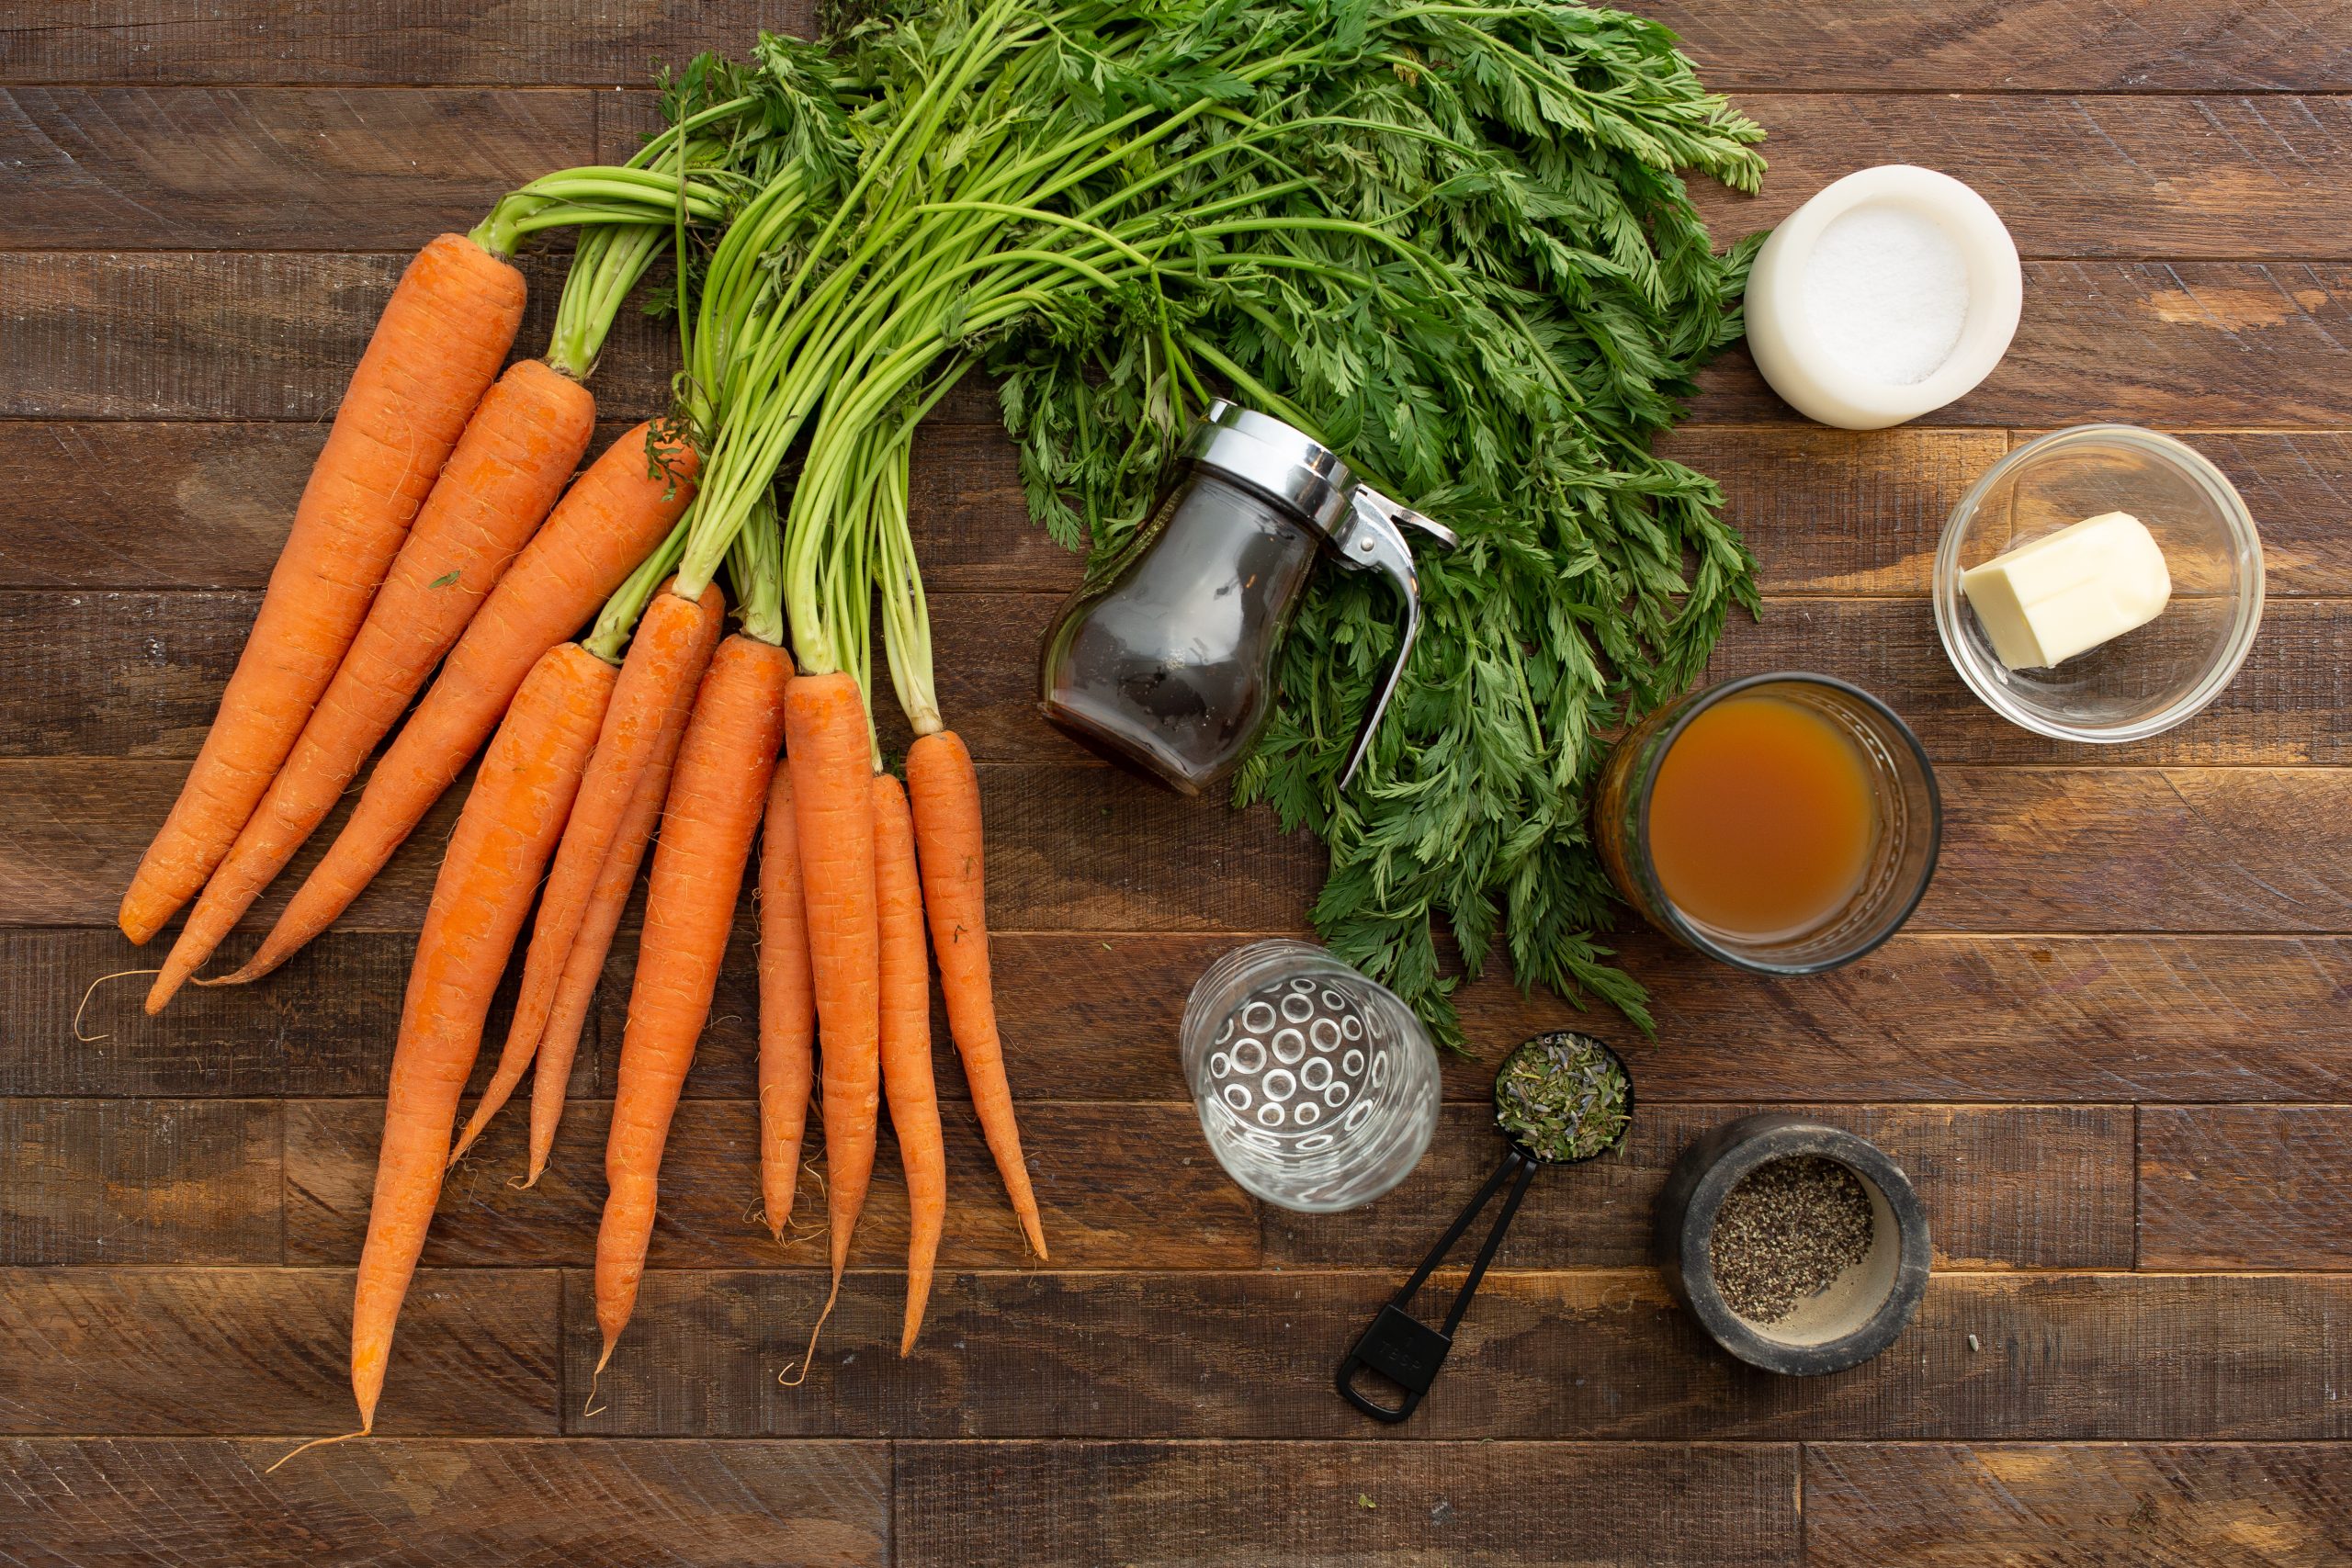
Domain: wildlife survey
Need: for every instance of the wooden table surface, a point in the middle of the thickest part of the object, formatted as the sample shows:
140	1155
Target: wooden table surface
2112	1049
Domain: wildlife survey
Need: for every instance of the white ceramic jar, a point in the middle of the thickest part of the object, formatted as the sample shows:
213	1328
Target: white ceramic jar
1853	297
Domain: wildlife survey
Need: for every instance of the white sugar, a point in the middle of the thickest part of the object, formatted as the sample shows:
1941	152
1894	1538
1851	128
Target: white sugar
1886	293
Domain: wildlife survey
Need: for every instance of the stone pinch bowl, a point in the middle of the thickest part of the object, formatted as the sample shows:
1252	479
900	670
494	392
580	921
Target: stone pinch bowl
1860	1312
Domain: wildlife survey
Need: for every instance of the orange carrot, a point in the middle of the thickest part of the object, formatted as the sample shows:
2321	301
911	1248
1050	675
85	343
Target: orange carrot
517	452
787	1008
584	968
833	807
442	337
946	793
643	725
716	793
509	827
905	1042
609	520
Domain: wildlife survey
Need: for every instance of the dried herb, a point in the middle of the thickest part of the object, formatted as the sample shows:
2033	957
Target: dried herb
1564	1096
1786	1233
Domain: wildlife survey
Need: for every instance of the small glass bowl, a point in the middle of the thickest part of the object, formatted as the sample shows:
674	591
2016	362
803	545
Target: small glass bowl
2146	680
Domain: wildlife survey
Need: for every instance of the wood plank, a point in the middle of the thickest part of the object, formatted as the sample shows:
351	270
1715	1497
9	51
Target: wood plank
2290	704
2245	1186
324	1024
139	1181
365	42
1075	847
1120	1185
1830	512
2149	342
1082	848
170	504
198	335
2142	848
2067	45
1926	1018
201	336
140	674
264	1352
2121	1018
1586	1355
2099	175
114	504
2005	1186
2044	45
114	1503
1325	1505
2207	1504
271	169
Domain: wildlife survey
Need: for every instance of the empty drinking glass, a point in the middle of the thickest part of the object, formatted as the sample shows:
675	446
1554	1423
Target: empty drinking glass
1318	1088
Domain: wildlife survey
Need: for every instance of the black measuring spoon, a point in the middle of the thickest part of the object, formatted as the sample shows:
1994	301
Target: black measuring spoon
1560	1099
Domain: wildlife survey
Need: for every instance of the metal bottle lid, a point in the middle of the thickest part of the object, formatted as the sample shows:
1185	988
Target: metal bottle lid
1282	463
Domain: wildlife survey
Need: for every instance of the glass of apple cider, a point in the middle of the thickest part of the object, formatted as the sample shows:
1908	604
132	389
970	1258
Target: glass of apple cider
1786	823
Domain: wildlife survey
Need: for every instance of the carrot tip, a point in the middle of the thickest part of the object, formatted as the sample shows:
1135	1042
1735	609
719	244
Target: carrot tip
322	1442
120	973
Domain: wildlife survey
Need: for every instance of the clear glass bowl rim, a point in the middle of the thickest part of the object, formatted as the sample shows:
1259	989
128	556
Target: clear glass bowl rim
2236	519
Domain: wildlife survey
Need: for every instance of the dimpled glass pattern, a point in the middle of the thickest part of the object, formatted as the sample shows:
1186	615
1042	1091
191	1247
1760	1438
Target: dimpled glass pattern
1317	1087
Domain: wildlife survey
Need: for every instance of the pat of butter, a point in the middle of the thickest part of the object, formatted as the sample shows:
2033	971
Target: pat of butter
2090	582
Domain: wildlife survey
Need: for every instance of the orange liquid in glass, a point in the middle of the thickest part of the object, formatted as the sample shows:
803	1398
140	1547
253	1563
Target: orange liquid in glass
1762	818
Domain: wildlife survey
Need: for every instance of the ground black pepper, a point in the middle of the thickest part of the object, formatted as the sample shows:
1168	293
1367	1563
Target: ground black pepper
1788	1230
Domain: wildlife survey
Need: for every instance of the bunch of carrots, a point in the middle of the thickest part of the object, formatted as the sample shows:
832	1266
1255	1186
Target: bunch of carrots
443	528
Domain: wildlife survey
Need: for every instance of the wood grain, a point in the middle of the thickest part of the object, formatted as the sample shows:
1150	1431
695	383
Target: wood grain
115	1503
201	335
2108	174
2290	702
1591	1355
2136	1505
2245	1186
135	168
2005	1186
1865	45
1936	1018
368	42
1336	1504
1120	1185
1080	847
265	1352
170	504
139	1181
1868	45
324	1024
140	674
2146	343
132	503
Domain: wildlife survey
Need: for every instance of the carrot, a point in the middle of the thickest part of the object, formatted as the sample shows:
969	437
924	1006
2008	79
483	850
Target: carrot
584	968
787	1008
517	452
905	1042
442	337
946	793
827	749
509	827
613	515
716	793
642	726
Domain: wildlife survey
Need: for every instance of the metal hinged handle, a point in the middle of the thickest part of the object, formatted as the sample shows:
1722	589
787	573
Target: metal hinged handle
1369	538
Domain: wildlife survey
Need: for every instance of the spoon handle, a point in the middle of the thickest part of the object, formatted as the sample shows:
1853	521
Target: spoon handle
1401	1347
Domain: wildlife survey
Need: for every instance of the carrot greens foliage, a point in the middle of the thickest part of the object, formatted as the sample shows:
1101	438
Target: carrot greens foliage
1449	238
